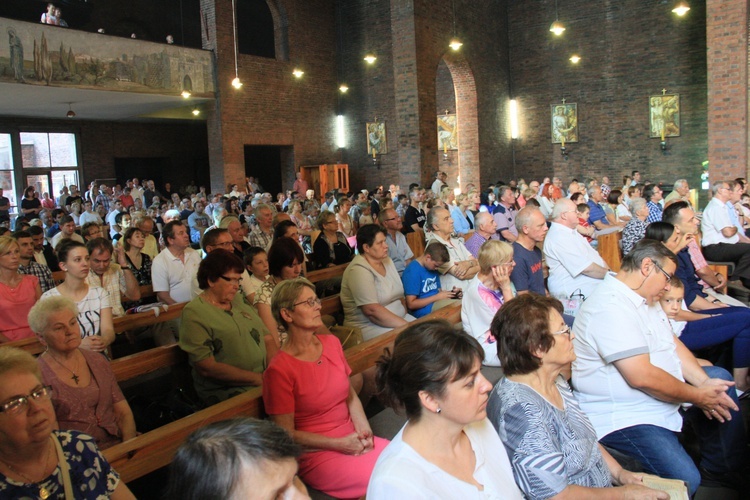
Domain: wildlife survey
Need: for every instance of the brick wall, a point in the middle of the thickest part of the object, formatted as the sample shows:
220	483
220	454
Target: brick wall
727	88
631	50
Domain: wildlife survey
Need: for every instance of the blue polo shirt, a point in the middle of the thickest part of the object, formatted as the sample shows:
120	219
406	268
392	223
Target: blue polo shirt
597	213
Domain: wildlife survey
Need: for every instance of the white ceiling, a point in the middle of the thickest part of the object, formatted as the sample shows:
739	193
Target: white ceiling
36	101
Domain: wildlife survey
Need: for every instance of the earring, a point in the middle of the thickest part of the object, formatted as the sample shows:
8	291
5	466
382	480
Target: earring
438	410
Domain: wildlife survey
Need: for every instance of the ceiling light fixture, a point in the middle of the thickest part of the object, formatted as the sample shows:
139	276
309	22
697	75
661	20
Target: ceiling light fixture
298	73
236	83
370	58
70	113
185	94
455	43
557	27
196	111
575	58
681	8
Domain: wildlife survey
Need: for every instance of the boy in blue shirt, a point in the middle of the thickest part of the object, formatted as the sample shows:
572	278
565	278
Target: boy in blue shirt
422	282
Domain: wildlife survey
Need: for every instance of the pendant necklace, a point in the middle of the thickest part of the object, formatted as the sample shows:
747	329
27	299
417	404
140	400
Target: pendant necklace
43	492
75	376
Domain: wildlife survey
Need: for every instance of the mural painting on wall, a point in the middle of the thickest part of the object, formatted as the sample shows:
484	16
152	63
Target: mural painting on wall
376	139
41	55
564	123
447	132
664	115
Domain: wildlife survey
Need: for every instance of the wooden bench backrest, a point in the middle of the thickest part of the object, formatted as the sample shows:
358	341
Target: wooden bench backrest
327	273
416	242
153	450
609	249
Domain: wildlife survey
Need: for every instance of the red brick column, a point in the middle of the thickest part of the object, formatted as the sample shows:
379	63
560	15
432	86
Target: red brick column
727	60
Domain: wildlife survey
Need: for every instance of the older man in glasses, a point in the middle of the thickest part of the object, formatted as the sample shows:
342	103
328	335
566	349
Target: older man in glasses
398	249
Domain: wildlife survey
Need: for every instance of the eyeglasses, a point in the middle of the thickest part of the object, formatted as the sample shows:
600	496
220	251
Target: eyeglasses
224	244
234	281
666	275
312	302
392	218
17	405
564	331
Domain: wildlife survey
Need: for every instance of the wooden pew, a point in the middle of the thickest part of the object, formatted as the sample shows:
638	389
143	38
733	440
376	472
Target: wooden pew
609	249
58	277
154	450
121	324
416	242
326	273
151	360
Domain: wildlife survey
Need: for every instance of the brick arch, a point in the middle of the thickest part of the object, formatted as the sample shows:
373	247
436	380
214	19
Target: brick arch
280	29
465	90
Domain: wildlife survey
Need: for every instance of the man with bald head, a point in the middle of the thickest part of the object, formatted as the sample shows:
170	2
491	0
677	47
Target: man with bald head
528	273
574	267
485	229
398	248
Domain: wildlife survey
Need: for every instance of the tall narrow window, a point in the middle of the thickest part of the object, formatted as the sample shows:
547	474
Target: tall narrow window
255	31
7	183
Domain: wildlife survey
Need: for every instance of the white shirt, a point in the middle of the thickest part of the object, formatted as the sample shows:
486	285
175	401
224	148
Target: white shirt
715	218
458	252
170	274
614	324
89	217
137	192
60	236
437	185
401	472
568	254
111	221
477	312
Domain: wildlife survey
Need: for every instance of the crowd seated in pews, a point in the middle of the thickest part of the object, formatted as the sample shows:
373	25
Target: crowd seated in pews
391	275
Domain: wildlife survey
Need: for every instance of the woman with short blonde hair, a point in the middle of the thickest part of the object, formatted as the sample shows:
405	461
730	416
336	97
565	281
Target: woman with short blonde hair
18	293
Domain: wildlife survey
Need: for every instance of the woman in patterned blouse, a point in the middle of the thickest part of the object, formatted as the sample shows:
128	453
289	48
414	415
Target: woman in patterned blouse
551	443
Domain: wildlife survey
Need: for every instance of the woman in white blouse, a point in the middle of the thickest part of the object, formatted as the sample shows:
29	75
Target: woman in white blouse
371	290
448	448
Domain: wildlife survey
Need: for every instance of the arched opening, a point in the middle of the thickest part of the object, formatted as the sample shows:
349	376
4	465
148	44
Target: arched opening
255	29
456	93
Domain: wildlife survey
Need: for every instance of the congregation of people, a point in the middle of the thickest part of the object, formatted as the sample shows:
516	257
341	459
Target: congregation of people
602	369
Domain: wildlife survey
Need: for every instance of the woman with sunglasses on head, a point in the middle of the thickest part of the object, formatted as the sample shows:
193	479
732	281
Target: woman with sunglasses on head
550	441
223	336
36	459
306	390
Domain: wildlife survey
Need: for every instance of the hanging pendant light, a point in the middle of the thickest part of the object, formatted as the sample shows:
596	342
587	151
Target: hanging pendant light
557	27
681	8
70	113
455	44
236	83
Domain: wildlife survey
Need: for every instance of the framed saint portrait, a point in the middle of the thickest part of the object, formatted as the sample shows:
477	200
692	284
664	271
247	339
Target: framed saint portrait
447	133
664	116
376	138
564	123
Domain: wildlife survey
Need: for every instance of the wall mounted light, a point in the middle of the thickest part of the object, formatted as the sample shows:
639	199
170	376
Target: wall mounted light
370	58
343	88
196	111
298	73
681	8
575	58
340	132
513	112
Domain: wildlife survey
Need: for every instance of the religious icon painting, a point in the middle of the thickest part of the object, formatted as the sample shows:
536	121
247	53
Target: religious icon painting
376	138
664	115
564	123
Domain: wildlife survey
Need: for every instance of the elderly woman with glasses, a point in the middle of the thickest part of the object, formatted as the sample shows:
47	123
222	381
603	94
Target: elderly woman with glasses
223	336
550	442
306	390
486	294
36	459
330	247
86	395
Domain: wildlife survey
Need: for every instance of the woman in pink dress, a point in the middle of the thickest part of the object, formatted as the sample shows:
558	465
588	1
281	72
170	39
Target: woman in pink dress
306	391
18	293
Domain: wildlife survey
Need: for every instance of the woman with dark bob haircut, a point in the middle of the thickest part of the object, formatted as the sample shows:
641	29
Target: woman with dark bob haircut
285	260
226	351
371	289
550	441
237	458
447	448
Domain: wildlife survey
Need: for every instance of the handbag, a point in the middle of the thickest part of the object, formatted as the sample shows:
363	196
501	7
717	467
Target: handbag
572	304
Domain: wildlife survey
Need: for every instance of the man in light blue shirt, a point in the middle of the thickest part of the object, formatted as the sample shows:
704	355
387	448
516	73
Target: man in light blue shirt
398	249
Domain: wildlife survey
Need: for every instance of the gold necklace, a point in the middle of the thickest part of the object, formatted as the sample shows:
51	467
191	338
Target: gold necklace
75	376
43	492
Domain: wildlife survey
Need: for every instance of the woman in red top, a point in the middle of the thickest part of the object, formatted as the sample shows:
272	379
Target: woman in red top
18	293
306	391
